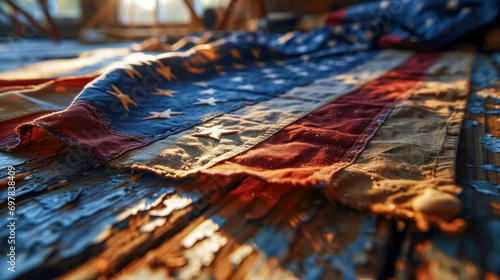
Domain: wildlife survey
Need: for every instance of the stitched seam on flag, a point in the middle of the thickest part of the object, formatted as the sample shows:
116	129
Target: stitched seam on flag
325	174
107	124
371	129
335	167
278	126
111	130
438	165
440	175
453	127
352	154
430	167
273	129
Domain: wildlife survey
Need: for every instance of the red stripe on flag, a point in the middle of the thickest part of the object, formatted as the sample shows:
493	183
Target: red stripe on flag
330	138
8	136
336	17
22	82
76	81
86	124
391	41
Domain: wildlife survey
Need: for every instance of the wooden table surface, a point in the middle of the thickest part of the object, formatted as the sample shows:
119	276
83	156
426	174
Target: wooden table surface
79	222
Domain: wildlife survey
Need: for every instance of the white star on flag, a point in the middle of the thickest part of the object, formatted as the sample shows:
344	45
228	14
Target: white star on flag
167	114
201	84
249	87
208	91
210	101
214	132
237	79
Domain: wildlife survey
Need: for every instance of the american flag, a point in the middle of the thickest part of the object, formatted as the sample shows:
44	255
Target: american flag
323	109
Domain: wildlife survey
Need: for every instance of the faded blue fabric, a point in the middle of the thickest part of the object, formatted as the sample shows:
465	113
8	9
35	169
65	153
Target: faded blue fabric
248	70
245	68
432	23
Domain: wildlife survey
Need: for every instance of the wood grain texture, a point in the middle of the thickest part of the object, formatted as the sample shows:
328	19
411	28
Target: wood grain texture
81	222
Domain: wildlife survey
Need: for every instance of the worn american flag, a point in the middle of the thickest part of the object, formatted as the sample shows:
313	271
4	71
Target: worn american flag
375	129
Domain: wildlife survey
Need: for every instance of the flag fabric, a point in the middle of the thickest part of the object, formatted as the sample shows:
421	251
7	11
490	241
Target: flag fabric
26	100
415	148
258	122
376	142
375	129
411	23
179	90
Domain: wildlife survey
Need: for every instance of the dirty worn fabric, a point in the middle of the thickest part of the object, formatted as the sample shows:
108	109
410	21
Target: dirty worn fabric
312	149
408	168
26	100
181	154
289	109
142	102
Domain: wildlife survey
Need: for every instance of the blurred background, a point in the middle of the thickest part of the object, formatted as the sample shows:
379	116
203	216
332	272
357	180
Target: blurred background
101	21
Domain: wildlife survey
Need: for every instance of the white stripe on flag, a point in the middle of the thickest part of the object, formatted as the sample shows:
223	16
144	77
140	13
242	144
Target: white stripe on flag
182	154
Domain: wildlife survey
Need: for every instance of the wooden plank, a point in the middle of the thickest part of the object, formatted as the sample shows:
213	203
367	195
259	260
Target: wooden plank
81	223
475	253
97	223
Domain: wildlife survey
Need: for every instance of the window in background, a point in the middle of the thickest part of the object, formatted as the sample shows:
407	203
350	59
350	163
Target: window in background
65	9
58	9
144	12
200	6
